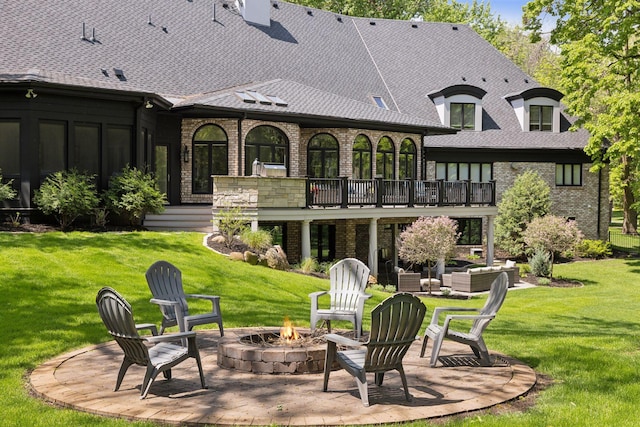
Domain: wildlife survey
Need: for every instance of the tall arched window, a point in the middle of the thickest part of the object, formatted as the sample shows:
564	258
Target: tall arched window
323	157
210	157
268	144
407	159
385	158
361	166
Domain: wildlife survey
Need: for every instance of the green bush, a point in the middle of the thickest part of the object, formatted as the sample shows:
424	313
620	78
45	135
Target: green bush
309	265
6	191
596	249
134	193
67	195
259	240
231	222
540	263
544	281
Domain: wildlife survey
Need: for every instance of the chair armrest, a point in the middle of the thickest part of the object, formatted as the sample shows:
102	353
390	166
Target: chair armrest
150	326
164	302
340	340
170	337
314	299
438	310
451	317
176	308
317	294
199	296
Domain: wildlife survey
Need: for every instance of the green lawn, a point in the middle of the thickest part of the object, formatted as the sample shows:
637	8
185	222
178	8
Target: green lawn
585	338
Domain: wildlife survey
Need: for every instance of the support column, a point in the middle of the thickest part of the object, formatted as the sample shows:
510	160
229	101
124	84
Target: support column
254	225
373	246
305	240
490	239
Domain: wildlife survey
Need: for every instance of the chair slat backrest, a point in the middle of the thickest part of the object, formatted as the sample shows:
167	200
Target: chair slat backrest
348	279
496	298
117	316
395	323
165	282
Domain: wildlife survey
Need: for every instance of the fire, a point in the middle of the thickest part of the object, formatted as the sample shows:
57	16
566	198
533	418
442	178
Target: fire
288	332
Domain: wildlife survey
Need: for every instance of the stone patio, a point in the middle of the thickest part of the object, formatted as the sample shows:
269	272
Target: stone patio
84	380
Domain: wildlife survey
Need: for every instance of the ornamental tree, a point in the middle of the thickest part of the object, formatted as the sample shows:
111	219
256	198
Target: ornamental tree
552	233
6	191
427	240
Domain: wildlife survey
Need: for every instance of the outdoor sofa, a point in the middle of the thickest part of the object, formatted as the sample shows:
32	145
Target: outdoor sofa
479	279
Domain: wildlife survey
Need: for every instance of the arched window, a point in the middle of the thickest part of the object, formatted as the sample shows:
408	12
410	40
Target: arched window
268	144
323	157
407	159
361	167
210	157
385	158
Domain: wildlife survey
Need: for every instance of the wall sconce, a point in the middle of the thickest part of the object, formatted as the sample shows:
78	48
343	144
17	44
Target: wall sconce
148	105
185	154
30	94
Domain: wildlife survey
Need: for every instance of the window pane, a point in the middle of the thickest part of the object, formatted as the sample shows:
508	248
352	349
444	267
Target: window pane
464	171
365	171
534	118
315	164
486	172
577	175
162	156
547	118
361	167
452	172
559	175
469	116
567	174
219	159
441	171
455	116
331	164
210	133
86	151
201	168
118	149
268	144
52	147
475	172
10	148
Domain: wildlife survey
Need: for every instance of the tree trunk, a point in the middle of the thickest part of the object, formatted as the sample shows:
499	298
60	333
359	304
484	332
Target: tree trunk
630	216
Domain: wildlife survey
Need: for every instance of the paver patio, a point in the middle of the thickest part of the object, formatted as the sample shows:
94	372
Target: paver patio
84	379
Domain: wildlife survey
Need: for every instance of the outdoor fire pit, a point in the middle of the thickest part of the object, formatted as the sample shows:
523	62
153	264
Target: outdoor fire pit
273	351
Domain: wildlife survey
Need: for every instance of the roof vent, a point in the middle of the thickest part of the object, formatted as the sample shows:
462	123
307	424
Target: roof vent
339	18
464	79
255	11
275	5
164	29
120	74
372	23
225	5
484	79
454	28
310	12
506	80
414	25
104	72
84	36
526	80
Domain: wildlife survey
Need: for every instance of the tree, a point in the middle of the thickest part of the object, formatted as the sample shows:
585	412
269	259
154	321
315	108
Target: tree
600	50
427	240
6	191
67	195
527	199
134	193
554	234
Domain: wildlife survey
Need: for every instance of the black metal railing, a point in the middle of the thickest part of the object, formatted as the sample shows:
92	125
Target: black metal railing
380	192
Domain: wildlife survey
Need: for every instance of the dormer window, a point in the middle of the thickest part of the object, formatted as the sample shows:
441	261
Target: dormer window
537	109
462	115
459	106
541	118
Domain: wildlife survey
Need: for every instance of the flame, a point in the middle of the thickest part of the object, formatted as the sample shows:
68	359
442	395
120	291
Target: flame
288	332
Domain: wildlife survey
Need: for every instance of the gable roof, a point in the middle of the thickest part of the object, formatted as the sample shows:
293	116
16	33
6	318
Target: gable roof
328	65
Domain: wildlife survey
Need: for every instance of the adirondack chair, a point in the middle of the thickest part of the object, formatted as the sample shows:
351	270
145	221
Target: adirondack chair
165	283
117	316
473	338
348	279
394	325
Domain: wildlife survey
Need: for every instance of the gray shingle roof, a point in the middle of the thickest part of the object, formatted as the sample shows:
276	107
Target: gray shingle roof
324	65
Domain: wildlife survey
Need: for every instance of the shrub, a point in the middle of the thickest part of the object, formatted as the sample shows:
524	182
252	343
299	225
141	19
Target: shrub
309	265
554	234
595	249
67	195
134	193
377	287
540	263
390	288
259	240
544	281
6	191
527	199
231	222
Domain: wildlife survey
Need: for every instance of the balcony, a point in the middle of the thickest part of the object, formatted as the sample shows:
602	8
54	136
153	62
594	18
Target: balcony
343	192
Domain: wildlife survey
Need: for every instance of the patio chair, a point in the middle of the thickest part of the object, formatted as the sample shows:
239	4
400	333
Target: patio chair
348	279
394	325
473	338
117	316
165	283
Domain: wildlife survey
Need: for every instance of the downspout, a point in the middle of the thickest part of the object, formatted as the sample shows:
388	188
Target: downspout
240	171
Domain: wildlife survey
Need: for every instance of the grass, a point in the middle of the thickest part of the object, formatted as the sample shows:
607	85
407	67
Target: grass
585	338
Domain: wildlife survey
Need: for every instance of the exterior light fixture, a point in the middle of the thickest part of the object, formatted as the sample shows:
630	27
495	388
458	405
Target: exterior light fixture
148	105
185	154
30	94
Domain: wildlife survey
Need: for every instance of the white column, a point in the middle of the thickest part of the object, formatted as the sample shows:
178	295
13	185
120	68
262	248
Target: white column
490	239
373	246
254	225
305	239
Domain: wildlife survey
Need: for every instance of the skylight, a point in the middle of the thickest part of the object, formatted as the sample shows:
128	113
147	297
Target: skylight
251	97
246	97
380	102
260	97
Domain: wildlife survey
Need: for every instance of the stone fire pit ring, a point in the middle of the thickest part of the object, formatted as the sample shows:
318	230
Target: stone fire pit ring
236	352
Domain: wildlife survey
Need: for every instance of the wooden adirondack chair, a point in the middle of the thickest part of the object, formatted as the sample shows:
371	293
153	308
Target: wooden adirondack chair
473	338
165	283
348	279
394	325
117	316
